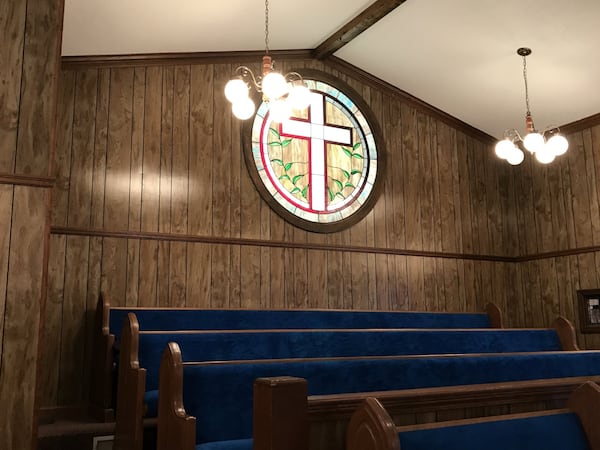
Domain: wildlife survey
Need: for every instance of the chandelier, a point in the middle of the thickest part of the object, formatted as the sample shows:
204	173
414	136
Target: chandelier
546	145
282	93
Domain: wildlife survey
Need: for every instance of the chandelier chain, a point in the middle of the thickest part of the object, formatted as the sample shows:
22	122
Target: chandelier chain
267	27
526	87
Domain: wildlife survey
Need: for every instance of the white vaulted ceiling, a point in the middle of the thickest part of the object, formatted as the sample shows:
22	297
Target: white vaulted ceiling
459	56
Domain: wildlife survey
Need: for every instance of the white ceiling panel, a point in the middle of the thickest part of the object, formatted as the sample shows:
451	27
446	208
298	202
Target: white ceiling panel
112	27
460	56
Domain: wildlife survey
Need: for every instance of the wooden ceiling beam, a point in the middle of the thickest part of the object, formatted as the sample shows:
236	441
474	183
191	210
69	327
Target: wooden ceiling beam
356	26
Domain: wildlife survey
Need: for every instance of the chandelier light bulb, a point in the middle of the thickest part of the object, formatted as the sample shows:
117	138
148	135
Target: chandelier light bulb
299	97
280	110
516	156
243	109
504	148
236	90
274	85
558	144
545	155
534	142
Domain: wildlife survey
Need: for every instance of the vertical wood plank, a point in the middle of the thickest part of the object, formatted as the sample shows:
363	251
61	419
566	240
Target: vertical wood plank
62	155
21	317
250	277
463	154
221	194
12	36
72	352
447	206
38	78
277	286
163	271
53	319
82	158
6	206
581	197
179	188
592	185
151	179
135	186
477	170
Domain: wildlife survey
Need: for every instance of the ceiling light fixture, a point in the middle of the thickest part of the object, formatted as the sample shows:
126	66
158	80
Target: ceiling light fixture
546	145
282	92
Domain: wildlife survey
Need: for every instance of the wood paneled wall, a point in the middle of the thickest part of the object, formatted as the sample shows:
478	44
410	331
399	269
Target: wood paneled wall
29	65
154	205
558	214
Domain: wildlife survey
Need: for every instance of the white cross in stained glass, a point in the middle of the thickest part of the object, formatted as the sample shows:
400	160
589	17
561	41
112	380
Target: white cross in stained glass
318	134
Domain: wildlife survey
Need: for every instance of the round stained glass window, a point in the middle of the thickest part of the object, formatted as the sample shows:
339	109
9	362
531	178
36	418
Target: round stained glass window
319	168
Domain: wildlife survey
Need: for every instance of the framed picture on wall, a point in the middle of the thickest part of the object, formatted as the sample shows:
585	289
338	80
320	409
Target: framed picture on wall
589	310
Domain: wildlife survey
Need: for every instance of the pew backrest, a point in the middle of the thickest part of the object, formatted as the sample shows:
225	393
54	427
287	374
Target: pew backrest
215	392
249	345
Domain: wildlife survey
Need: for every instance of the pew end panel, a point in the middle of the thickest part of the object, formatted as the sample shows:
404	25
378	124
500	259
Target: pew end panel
101	399
371	428
131	387
495	315
566	334
585	402
280	417
176	429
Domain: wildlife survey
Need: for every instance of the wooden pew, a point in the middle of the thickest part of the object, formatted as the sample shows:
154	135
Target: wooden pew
109	320
214	393
574	427
329	415
138	375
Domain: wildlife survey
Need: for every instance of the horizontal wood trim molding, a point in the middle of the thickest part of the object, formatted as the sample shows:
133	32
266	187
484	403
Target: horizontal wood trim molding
27	180
582	124
69	231
372	80
559	253
164	59
188	238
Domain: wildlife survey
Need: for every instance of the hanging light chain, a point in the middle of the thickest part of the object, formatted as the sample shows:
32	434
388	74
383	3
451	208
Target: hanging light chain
267	27
526	87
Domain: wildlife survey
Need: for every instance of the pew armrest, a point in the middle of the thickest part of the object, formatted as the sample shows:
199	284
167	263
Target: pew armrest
131	386
584	402
176	429
371	428
566	334
495	315
280	414
102	366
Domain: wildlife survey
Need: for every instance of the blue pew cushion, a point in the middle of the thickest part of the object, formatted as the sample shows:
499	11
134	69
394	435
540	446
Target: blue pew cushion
551	432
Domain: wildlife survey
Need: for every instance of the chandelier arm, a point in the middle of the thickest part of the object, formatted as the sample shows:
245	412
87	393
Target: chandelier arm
248	76
294	76
513	135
